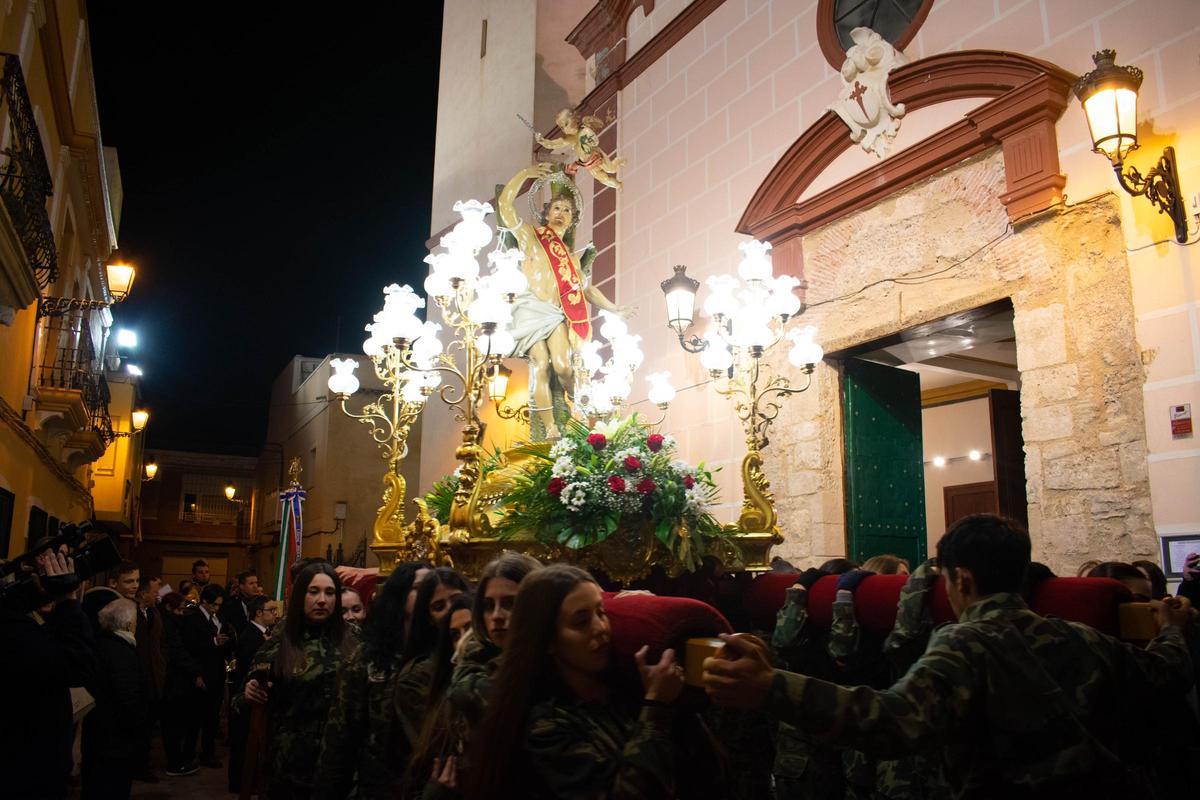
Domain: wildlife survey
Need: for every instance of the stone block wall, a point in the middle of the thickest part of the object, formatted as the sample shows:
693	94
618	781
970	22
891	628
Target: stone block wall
949	244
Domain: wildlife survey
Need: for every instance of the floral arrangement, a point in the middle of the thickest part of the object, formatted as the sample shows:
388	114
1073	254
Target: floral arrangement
594	480
441	494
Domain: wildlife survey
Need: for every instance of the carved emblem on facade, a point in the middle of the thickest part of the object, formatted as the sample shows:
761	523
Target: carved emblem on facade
863	103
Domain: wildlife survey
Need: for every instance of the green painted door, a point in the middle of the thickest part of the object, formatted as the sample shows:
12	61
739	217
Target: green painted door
885	475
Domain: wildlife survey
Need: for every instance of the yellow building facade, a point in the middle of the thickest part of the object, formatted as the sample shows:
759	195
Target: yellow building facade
62	405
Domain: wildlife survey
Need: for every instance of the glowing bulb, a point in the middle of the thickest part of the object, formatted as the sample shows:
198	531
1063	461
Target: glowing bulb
975	455
939	461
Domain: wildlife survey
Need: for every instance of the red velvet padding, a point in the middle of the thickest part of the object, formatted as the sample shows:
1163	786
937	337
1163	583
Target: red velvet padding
364	585
1092	601
660	622
764	597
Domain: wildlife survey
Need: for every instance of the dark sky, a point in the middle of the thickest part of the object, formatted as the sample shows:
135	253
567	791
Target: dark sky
277	166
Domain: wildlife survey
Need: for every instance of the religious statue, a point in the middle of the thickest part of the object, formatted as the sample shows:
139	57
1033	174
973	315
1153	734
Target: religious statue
551	321
864	103
582	135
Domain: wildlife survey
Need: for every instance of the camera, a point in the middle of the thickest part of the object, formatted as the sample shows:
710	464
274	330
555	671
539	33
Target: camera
22	590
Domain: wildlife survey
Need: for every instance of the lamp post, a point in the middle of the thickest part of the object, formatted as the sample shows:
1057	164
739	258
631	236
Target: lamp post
1109	95
747	319
119	274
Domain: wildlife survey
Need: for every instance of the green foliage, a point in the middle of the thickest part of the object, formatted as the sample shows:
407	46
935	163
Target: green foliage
582	492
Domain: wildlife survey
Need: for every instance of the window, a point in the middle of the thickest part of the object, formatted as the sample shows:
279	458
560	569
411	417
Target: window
894	20
7	501
203	500
37	525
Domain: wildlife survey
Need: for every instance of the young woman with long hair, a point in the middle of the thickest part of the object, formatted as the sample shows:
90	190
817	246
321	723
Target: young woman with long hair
434	596
562	730
443	732
299	667
365	741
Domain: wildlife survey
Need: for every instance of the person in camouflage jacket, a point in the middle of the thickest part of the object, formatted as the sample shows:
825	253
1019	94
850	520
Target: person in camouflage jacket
1012	704
302	665
367	741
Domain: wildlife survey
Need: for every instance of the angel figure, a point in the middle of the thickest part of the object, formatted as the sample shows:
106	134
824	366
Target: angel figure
582	134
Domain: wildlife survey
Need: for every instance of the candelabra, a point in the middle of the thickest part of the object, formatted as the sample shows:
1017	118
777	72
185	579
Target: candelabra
411	361
747	321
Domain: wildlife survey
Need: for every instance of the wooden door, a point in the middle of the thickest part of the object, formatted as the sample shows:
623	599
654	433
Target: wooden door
1008	455
966	499
885	480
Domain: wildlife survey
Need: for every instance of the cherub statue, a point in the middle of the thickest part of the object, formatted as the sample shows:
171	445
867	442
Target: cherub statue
582	135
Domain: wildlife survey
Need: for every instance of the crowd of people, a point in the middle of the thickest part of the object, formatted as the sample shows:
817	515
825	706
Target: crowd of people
434	687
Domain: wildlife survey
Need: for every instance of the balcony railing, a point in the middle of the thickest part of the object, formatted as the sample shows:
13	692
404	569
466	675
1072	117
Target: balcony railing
24	175
74	369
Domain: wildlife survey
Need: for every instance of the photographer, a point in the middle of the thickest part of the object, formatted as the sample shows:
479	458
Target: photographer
45	653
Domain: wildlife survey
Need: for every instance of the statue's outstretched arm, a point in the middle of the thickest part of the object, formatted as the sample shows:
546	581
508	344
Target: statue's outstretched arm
508	195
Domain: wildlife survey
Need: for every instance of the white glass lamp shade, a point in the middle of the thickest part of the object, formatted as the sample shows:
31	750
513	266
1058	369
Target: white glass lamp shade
613	326
507	277
756	261
437	285
627	352
616	386
489	307
151	468
783	302
499	343
343	381
1109	98
230	492
750	328
716	356
373	346
138	419
661	391
805	351
590	353
428	347
460	264
411	392
473	230
601	402
721	302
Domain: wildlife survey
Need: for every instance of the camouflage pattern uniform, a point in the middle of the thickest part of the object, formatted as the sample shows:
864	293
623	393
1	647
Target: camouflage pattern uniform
299	706
601	750
365	742
1014	704
471	682
802	769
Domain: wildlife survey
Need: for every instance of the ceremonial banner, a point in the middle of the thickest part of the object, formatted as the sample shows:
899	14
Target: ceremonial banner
291	532
570	287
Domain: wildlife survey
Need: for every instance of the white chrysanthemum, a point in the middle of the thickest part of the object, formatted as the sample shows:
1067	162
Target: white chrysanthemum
682	467
694	499
574	496
669	442
563	467
629	451
564	447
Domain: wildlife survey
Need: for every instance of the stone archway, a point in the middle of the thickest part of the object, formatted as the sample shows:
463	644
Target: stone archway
944	243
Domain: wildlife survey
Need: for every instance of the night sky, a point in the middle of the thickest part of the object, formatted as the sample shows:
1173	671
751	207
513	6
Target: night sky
277	166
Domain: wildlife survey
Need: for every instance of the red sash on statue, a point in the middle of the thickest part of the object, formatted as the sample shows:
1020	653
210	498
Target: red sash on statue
570	287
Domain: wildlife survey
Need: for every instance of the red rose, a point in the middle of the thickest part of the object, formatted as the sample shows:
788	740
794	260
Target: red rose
646	486
556	486
688	481
654	442
632	463
597	441
616	483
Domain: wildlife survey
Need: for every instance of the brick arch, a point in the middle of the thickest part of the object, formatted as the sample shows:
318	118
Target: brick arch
1029	95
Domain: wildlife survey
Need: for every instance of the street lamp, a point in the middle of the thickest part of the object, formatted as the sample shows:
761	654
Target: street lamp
747	319
119	274
137	423
1109	95
230	492
151	468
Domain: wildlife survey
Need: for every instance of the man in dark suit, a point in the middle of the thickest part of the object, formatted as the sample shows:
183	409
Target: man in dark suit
208	642
262	617
152	653
234	613
182	694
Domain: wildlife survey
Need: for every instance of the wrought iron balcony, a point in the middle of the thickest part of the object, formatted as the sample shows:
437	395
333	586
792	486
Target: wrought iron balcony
25	181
